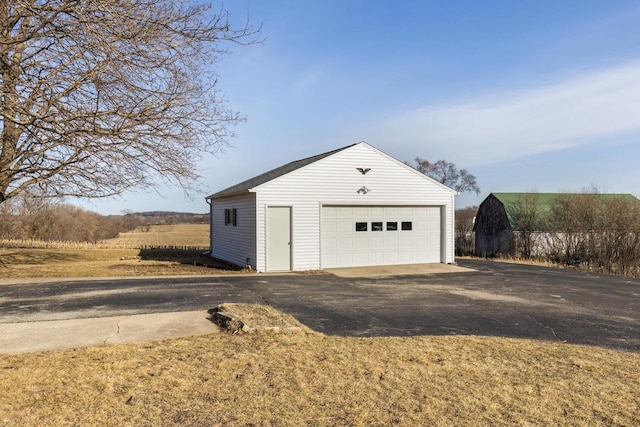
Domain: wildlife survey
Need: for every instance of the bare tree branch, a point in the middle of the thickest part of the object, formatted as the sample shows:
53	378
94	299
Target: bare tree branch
447	173
97	97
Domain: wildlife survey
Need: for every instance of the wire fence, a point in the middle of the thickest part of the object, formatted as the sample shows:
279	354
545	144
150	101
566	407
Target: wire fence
106	244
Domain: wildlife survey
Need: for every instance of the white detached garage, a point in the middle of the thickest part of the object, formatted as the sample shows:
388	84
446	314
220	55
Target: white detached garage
354	206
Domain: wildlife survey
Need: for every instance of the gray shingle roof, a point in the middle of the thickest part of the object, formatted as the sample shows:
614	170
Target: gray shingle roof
250	183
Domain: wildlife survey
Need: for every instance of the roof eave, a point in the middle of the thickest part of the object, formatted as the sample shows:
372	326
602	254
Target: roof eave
231	194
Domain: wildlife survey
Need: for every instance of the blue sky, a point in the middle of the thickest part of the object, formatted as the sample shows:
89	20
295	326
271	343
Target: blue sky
526	95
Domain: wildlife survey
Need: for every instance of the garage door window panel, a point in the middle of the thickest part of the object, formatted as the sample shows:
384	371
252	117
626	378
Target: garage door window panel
361	226
407	226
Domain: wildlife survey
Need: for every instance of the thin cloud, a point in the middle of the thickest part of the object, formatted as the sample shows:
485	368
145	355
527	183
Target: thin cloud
309	78
578	111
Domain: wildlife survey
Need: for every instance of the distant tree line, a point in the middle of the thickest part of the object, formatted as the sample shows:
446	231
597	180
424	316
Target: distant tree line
169	217
53	220
594	231
46	219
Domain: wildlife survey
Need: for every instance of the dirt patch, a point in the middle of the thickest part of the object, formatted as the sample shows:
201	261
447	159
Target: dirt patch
257	318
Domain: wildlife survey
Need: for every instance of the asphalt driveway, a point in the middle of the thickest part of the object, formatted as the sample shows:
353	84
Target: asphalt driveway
495	299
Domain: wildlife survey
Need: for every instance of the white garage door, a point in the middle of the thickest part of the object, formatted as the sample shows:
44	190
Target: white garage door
380	235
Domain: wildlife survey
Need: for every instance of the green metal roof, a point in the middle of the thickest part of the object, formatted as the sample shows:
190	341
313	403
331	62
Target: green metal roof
544	201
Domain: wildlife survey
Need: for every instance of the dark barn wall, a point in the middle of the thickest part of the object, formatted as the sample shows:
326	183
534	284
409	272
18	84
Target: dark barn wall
493	232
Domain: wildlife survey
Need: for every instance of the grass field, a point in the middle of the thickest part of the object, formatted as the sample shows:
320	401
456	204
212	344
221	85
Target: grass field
308	379
121	256
164	235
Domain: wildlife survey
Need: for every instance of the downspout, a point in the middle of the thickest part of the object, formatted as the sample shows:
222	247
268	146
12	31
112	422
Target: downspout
452	250
208	200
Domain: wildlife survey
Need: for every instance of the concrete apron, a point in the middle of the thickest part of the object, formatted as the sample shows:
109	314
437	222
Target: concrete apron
396	270
60	334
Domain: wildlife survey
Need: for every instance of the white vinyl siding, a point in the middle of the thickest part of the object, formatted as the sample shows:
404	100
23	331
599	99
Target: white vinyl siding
334	180
234	243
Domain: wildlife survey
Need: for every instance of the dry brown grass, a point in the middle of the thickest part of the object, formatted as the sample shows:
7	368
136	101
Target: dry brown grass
259	318
116	257
543	262
516	260
195	235
164	235
308	379
23	263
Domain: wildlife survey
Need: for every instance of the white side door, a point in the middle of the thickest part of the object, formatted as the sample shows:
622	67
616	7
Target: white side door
278	238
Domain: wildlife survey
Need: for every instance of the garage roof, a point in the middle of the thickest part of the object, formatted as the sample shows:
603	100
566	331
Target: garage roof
250	183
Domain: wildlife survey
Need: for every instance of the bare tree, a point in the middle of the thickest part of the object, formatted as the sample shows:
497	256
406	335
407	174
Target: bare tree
464	239
576	218
99	96
130	219
597	231
527	219
37	218
9	220
448	174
